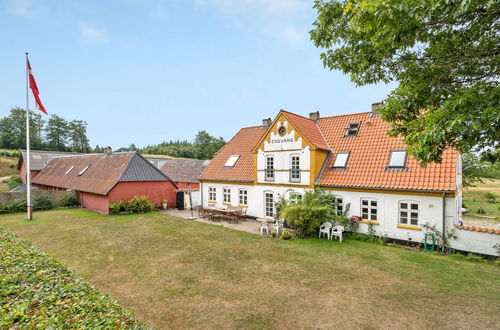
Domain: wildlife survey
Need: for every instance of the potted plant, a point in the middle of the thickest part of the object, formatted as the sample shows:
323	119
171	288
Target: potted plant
164	204
286	235
274	233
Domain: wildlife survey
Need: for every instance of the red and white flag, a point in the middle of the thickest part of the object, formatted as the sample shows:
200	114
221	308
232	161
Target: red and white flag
34	89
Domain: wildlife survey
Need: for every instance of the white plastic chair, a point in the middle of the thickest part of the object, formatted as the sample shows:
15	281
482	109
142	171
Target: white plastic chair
337	232
278	225
325	228
264	228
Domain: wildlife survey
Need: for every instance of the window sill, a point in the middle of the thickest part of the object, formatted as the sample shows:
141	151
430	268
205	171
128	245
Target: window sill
376	223
226	203
409	227
212	202
242	205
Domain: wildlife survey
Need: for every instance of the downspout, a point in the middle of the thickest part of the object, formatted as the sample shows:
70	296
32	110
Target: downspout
443	229
201	192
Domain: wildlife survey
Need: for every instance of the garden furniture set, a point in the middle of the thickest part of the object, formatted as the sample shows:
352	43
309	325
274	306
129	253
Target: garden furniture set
230	214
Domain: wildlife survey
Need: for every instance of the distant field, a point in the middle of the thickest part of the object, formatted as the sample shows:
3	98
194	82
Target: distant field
485	196
8	166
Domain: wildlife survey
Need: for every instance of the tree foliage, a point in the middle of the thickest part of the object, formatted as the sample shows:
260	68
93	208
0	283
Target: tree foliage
55	134
443	54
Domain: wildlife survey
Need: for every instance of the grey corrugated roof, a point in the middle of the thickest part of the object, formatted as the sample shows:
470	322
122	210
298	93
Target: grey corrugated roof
39	158
140	169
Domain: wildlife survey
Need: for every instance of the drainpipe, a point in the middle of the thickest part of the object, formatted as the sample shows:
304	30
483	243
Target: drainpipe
201	192
443	230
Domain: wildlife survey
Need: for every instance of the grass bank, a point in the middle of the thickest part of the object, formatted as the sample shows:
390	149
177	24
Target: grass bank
176	273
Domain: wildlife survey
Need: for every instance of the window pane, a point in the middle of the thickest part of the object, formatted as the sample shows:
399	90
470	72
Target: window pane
364	216
364	210
374	216
373	203
364	202
341	159
404	206
397	159
414	206
231	160
374	211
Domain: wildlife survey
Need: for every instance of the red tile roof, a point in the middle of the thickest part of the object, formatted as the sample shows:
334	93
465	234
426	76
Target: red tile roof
369	157
103	173
308	128
241	144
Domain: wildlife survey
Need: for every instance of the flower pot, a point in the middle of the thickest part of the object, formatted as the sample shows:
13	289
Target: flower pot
164	205
286	237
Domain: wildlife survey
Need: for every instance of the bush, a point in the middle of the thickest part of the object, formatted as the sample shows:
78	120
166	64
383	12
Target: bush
14	207
70	201
37	292
117	207
140	204
13	181
43	203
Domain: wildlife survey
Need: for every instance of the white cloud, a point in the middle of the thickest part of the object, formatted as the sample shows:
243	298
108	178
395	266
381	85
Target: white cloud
25	8
93	34
276	18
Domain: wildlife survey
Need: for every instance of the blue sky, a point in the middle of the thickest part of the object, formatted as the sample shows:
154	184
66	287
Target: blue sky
144	71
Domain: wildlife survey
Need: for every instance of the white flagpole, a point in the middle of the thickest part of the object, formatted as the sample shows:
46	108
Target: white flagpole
28	167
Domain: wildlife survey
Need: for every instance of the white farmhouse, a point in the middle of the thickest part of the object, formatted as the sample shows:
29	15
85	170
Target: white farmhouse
350	156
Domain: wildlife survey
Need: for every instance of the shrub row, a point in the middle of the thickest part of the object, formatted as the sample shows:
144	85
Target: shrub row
138	204
36	291
40	203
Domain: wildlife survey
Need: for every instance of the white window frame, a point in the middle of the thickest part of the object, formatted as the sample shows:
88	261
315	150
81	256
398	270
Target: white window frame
372	210
243	197
348	155
295	168
339	207
350	127
294	196
390	165
269	172
409	212
231	161
226	195
267	207
212	192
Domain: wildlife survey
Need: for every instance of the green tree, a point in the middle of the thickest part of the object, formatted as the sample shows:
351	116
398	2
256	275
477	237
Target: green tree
97	149
206	145
13	130
472	170
443	54
57	135
78	135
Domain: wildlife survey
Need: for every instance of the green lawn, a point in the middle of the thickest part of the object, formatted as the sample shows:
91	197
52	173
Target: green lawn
176	273
476	197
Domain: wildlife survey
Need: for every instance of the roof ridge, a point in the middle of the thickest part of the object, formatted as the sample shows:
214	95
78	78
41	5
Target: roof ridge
345	114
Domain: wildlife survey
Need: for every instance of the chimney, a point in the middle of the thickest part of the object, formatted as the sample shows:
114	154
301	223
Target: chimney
106	150
314	115
375	106
266	123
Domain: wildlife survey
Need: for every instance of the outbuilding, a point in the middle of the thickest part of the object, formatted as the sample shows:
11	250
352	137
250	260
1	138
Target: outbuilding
100	179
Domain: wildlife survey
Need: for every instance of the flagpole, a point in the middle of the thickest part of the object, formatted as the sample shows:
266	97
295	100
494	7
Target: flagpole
28	167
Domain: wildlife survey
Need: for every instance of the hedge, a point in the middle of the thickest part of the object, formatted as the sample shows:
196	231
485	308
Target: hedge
36	291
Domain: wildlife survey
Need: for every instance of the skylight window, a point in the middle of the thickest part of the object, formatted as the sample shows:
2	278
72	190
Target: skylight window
352	129
69	170
231	160
341	160
84	169
397	159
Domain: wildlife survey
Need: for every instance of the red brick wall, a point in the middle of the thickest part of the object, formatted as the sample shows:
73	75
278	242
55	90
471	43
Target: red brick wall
94	202
22	173
157	191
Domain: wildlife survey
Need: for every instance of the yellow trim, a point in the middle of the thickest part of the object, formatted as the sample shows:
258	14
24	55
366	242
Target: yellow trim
394	192
226	203
243	205
212	202
376	223
409	227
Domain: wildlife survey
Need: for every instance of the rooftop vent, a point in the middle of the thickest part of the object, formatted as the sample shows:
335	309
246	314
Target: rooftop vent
266	122
314	115
107	150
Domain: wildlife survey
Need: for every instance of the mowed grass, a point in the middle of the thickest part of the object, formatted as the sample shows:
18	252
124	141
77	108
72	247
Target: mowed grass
476	197
177	273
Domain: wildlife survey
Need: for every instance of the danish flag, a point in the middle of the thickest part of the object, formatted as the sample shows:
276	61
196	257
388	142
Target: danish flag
34	89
